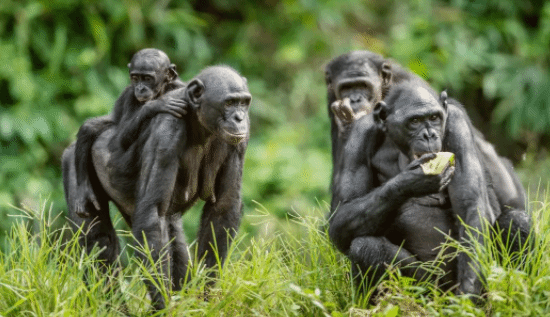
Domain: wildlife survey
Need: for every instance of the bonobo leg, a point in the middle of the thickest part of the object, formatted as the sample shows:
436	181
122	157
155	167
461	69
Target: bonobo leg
514	227
221	219
217	229
87	134
150	221
371	255
97	230
179	253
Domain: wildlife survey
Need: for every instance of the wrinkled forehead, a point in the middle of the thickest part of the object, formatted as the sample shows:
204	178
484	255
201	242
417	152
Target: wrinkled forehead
351	66
416	99
421	96
148	63
226	82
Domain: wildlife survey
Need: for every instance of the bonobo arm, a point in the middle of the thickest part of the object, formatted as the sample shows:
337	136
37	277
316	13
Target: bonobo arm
221	219
467	192
367	210
87	134
122	104
171	103
358	208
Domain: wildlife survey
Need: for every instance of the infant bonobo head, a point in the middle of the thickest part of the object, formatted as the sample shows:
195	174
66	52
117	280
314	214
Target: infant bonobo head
221	99
414	118
150	71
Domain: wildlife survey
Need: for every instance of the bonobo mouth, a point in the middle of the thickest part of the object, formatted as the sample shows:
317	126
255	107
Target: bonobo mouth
358	108
366	109
416	156
233	138
142	99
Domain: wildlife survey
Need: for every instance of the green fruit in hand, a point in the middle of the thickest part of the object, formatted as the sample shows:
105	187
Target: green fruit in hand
439	163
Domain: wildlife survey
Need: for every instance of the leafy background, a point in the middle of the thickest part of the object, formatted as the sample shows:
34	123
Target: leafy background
62	61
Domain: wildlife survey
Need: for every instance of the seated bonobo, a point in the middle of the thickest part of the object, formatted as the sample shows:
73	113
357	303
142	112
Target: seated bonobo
171	164
357	80
388	209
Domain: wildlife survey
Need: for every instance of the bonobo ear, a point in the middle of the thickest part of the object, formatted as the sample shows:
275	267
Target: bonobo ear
386	74
194	92
129	65
443	99
327	78
172	74
380	113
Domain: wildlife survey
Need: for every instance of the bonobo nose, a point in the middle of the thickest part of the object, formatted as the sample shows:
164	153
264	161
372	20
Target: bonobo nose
429	134
239	116
426	135
355	98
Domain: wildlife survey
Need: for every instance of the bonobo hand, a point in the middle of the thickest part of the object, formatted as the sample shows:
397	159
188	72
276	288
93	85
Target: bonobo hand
342	110
84	195
415	183
172	102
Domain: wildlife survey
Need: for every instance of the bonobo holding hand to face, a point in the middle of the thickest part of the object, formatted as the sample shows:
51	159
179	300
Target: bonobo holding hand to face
355	83
152	75
172	163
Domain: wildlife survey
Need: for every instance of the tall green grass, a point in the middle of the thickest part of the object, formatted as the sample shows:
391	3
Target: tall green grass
288	269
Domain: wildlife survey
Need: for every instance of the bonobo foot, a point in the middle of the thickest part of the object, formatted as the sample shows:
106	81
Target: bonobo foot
85	195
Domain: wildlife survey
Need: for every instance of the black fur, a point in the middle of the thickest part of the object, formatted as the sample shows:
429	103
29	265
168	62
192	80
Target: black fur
152	76
381	200
172	163
347	67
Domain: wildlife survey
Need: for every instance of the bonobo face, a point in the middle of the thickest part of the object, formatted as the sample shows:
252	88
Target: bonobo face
352	76
361	85
413	119
223	105
149	70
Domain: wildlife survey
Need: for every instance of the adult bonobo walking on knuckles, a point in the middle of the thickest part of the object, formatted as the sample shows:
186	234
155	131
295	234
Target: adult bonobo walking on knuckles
173	163
152	75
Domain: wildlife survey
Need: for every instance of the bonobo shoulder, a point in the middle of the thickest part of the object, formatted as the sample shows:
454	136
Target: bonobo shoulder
457	119
363	135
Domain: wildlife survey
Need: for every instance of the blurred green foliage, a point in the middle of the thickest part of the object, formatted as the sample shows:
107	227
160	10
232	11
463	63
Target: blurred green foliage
62	61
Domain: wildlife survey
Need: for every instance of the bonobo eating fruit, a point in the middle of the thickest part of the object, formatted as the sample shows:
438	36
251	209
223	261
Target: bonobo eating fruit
152	75
357	80
388	210
172	163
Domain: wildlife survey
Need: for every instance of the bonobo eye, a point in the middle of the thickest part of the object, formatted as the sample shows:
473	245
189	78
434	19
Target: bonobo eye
414	122
134	78
148	78
246	102
433	117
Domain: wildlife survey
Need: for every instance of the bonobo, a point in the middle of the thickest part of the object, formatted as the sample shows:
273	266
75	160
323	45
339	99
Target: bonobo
355	82
152	75
173	163
389	210
358	80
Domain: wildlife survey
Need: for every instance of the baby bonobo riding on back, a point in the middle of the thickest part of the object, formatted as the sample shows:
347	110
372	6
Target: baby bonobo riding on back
152	76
